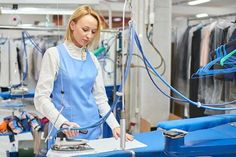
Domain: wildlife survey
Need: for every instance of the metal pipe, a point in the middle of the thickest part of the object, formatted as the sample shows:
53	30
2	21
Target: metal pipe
32	28
122	119
209	17
47	28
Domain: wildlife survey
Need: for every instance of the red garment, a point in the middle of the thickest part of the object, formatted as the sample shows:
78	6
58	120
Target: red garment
44	120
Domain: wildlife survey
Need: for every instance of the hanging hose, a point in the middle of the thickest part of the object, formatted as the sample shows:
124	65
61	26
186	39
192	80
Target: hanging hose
198	104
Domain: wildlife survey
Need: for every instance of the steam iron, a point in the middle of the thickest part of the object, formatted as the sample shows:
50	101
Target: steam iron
62	143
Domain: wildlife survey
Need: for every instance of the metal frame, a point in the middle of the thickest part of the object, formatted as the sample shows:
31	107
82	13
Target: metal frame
37	28
211	17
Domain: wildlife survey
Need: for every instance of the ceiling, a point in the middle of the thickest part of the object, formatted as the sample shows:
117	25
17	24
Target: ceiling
103	6
213	8
179	7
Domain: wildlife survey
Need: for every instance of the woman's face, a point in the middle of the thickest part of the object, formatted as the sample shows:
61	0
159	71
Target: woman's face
84	30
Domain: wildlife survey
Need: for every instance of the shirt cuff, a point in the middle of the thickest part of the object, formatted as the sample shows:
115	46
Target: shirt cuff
112	122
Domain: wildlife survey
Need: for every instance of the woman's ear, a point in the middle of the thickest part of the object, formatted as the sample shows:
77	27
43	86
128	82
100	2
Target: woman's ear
72	25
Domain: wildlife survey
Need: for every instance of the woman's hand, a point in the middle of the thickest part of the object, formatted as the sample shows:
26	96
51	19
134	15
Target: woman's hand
68	132
116	134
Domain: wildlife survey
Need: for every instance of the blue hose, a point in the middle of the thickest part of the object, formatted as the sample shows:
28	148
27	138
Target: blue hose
198	104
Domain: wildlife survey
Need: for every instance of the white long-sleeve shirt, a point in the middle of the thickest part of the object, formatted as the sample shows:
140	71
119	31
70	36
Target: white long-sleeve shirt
48	74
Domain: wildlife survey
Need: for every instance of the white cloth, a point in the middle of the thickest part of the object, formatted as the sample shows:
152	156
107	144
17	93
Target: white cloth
9	71
37	59
99	146
48	74
230	31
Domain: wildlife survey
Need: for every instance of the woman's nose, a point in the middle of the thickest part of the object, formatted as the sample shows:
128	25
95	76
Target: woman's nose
89	35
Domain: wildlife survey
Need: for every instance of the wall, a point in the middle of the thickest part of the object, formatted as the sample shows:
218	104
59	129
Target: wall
150	104
26	19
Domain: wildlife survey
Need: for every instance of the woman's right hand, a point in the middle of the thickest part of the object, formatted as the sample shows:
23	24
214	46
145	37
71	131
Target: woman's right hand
68	132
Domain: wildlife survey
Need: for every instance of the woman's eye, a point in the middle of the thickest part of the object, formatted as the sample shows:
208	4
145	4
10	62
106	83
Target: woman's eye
85	29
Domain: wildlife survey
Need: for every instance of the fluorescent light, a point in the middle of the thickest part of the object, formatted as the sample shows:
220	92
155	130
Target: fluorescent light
202	15
117	19
196	2
36	11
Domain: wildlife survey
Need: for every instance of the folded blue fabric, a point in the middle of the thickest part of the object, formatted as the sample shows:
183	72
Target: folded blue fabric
8	95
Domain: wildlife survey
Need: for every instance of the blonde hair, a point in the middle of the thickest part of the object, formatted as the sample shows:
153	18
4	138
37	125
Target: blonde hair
78	14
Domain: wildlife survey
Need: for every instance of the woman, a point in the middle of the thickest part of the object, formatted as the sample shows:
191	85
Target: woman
71	79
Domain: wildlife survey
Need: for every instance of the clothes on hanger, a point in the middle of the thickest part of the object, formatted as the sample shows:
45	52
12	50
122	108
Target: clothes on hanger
200	40
18	63
9	70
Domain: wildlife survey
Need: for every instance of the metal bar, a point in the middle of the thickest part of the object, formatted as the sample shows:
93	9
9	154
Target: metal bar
32	28
47	28
209	17
180	2
110	30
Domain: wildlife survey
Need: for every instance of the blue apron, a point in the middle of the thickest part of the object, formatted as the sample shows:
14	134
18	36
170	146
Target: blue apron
76	78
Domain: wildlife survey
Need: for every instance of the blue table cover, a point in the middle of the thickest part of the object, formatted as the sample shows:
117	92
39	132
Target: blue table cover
198	123
155	142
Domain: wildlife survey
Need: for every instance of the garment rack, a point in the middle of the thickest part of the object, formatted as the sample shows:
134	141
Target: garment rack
211	17
32	28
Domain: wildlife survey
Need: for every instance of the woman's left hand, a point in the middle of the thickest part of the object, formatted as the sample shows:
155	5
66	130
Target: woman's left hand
116	134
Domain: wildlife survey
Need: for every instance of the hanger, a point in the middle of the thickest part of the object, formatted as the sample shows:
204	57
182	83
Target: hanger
220	53
225	58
